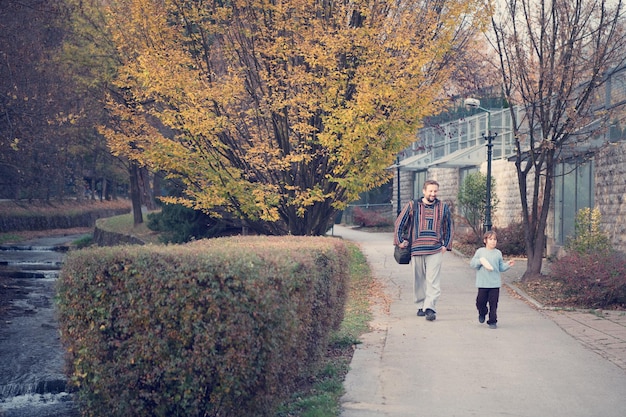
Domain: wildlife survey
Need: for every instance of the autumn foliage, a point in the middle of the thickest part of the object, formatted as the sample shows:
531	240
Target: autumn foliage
202	329
280	112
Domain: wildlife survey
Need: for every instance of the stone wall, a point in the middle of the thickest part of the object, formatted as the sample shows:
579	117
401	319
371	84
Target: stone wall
406	189
509	209
448	179
610	191
103	237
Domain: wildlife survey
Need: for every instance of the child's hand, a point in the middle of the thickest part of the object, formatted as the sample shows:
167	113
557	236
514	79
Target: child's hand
485	263
511	262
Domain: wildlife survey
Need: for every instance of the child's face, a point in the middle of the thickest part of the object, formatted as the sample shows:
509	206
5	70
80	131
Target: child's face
491	242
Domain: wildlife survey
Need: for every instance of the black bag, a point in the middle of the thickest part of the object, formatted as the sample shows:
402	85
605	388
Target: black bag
402	255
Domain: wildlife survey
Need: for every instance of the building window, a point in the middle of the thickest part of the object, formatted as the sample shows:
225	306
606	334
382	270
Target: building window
465	171
573	191
418	183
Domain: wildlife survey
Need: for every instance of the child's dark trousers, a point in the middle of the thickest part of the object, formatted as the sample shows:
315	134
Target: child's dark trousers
488	296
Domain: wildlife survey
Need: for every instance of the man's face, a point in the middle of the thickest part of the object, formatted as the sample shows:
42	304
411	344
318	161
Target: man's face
430	192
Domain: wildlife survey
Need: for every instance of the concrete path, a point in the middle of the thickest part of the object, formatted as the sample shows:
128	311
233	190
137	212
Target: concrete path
454	366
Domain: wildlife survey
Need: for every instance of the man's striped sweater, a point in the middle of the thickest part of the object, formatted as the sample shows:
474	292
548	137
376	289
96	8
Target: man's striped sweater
429	225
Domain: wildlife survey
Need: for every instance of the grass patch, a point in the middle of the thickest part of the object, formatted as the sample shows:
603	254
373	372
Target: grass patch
24	235
357	314
124	224
9	238
120	224
83	242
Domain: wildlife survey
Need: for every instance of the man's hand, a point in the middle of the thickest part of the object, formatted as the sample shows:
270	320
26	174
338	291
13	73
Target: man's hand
403	244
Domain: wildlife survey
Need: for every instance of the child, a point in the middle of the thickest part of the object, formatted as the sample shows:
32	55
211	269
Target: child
489	263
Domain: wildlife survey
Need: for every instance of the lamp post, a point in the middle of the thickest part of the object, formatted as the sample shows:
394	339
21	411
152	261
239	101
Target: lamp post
398	208
489	137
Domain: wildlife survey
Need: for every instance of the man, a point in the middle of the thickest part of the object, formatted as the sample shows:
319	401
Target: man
426	225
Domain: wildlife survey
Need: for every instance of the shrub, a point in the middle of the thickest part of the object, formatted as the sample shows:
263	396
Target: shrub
592	280
465	242
471	202
216	327
511	240
588	237
592	274
180	224
83	242
369	218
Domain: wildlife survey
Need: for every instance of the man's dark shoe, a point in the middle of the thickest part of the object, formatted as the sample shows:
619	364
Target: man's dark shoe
430	315
481	319
420	313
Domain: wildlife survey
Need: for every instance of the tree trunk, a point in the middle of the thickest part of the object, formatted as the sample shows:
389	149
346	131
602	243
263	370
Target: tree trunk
105	189
157	183
535	259
146	189
113	190
135	194
93	188
536	215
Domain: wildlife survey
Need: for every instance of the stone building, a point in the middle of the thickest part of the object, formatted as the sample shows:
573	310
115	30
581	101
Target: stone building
450	151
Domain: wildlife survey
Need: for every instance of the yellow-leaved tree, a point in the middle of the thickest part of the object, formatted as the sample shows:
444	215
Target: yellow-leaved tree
279	112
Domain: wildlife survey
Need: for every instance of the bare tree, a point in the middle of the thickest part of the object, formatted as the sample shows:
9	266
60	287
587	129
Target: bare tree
554	58
31	98
48	105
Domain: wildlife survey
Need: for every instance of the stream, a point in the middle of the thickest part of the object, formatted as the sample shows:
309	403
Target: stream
32	381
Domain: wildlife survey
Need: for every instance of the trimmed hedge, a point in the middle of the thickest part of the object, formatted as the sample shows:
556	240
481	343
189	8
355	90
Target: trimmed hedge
219	327
61	215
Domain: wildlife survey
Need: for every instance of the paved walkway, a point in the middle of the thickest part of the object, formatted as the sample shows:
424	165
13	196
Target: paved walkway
538	363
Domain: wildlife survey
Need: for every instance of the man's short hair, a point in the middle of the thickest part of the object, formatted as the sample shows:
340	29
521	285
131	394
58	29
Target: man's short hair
430	182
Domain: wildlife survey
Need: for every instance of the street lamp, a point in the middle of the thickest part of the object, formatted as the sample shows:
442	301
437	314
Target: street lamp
398	175
489	137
